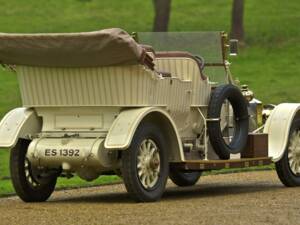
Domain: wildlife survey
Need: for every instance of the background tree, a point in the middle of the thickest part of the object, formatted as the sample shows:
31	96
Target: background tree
162	10
237	21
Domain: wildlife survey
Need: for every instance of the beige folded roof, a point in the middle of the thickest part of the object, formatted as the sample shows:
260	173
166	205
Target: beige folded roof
91	49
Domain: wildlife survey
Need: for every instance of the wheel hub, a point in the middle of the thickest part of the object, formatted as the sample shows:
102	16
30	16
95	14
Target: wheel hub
148	164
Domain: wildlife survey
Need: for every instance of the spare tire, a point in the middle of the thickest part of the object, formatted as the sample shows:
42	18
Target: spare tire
239	104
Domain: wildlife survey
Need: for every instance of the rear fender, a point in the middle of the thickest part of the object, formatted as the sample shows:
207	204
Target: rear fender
123	129
18	123
278	127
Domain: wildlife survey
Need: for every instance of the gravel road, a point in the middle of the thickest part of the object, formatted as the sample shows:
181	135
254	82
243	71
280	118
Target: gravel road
241	198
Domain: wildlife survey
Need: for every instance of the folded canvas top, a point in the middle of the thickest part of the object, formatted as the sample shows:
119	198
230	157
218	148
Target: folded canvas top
90	49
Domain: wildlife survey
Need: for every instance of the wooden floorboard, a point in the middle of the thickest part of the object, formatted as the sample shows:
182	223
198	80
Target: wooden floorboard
222	164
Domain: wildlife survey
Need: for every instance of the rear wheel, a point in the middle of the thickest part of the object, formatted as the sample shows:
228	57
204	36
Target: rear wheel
288	167
145	164
31	184
183	178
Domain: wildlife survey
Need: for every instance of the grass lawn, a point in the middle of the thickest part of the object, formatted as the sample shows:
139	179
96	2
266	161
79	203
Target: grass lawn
269	63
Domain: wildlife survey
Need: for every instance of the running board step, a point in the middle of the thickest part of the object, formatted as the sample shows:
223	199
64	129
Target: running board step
223	164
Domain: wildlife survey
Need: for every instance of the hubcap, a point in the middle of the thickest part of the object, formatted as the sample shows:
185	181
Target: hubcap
294	153
148	163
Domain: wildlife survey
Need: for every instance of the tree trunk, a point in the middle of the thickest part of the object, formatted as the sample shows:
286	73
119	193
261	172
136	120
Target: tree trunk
237	23
162	10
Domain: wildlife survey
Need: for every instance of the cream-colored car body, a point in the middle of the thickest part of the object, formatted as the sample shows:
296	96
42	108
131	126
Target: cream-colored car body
99	109
278	126
81	119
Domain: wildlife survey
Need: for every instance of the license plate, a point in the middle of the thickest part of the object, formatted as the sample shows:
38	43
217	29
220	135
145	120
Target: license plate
62	152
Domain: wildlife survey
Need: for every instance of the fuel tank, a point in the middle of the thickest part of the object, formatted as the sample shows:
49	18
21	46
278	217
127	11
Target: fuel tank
70	154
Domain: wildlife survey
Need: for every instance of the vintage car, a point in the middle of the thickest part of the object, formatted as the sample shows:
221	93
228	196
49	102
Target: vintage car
145	106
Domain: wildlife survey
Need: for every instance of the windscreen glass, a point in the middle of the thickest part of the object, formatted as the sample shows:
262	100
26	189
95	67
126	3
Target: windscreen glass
205	44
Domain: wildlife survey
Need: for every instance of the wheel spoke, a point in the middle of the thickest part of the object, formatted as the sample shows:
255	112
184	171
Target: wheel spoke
148	163
149	181
140	173
296	167
139	165
32	175
148	146
290	156
152	151
144	177
294	152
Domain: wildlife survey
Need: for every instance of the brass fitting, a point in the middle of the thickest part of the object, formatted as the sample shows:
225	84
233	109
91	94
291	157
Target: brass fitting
247	93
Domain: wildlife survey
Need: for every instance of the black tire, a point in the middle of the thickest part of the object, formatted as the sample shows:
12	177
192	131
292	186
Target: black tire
283	169
129	170
239	104
184	178
27	191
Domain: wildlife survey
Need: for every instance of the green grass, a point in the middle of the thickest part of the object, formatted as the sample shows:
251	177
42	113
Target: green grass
269	63
273	73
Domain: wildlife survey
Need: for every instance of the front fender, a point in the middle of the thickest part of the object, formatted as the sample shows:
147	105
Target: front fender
123	128
278	127
18	123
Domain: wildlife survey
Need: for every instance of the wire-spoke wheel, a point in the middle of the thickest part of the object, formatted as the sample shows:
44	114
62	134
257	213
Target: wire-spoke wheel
288	167
145	164
148	163
294	153
31	184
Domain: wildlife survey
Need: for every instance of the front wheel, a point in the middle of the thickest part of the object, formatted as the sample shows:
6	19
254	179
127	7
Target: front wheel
145	164
288	167
31	184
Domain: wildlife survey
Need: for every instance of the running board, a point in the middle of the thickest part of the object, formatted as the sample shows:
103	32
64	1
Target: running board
223	164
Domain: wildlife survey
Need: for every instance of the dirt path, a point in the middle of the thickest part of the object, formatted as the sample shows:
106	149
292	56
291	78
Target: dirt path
244	198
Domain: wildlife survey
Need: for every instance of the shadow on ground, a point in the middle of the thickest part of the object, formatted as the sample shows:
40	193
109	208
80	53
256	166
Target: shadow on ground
177	193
